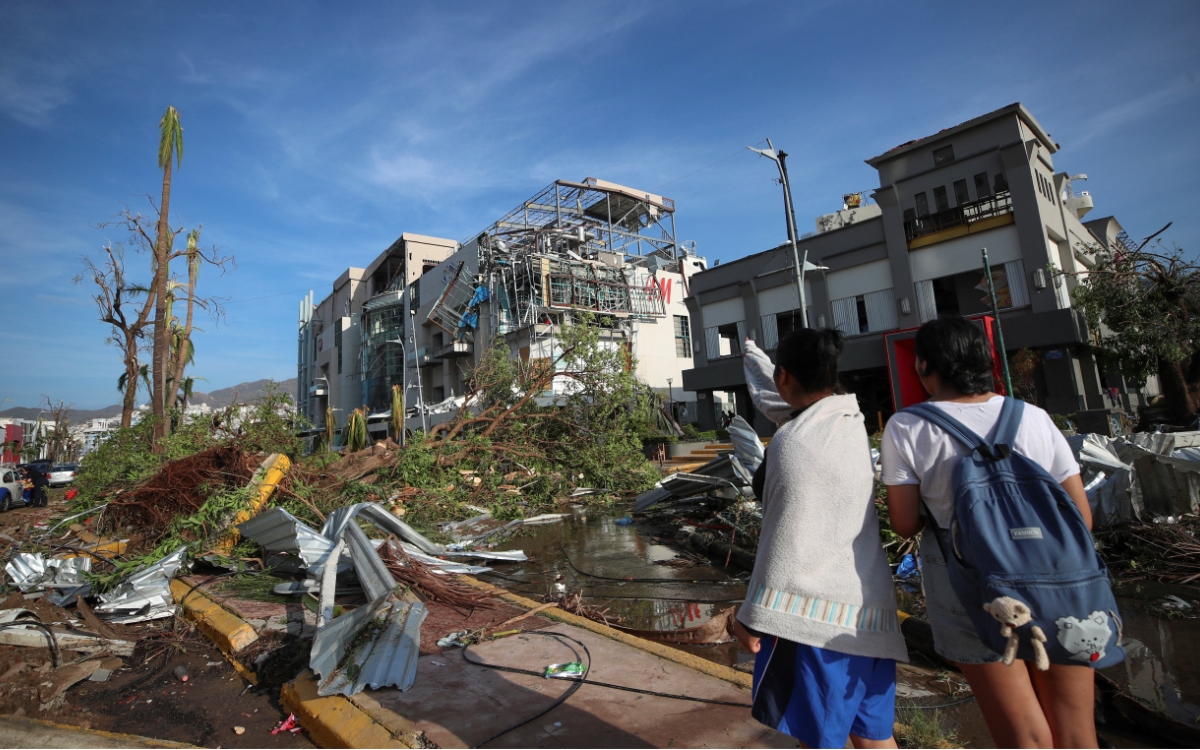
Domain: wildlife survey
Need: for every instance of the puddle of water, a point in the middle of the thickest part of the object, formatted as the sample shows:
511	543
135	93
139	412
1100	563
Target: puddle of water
614	566
1162	665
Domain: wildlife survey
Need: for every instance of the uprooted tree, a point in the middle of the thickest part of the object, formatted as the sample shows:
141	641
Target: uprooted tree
1145	304
583	411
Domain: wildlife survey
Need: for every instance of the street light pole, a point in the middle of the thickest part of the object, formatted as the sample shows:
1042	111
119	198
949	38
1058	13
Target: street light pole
670	398
780	159
420	391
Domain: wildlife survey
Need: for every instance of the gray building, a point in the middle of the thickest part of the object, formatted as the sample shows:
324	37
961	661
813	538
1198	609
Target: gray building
912	252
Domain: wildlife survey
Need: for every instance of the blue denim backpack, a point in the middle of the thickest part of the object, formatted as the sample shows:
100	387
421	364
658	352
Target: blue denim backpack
1016	533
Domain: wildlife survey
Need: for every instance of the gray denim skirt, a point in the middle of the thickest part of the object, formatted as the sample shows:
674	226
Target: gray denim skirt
954	635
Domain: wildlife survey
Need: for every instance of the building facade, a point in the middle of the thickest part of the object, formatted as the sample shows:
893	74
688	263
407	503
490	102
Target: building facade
914	253
424	313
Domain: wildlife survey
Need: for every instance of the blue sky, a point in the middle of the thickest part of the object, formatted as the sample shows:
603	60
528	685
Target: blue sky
316	133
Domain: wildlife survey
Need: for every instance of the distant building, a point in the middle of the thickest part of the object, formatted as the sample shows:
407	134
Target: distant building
914	253
421	319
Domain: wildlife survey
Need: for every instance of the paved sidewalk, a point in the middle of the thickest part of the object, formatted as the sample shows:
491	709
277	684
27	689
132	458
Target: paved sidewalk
457	704
22	732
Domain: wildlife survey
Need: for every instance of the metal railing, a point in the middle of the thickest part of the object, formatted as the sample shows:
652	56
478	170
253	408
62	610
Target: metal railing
996	205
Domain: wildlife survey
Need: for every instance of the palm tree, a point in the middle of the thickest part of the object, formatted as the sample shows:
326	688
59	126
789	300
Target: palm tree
170	148
183	352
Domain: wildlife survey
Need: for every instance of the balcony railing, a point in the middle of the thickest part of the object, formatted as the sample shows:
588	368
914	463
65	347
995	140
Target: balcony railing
998	204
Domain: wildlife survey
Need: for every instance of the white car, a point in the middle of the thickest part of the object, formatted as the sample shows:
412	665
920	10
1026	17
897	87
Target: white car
12	490
61	475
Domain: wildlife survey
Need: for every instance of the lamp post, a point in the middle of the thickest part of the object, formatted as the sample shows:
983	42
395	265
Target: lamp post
670	398
412	337
780	159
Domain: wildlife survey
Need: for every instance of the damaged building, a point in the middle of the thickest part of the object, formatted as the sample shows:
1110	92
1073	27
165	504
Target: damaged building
425	311
913	253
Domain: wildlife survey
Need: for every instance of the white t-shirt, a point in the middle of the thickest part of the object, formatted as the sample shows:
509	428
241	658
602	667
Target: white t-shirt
915	451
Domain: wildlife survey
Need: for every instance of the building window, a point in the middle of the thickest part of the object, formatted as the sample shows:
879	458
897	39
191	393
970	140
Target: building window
1001	183
683	336
982	190
960	192
786	322
940	199
860	307
943	155
337	343
910	215
922	204
967	293
725	340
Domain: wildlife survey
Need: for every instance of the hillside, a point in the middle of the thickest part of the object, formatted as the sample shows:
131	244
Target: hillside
246	393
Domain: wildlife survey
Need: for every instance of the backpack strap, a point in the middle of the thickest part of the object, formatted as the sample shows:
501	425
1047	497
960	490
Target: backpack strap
1007	425
958	430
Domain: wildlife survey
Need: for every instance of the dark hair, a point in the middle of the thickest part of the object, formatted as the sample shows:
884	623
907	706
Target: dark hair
811	357
956	349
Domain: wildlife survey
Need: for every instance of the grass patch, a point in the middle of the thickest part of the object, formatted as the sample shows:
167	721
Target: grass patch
917	727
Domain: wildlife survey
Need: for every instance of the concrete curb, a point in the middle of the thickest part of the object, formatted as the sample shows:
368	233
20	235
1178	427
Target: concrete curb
728	674
335	721
338	722
226	630
36	726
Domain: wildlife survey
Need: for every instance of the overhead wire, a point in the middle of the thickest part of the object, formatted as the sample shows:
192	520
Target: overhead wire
701	169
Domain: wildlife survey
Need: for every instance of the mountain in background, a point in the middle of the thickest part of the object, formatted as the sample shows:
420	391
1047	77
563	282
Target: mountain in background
246	393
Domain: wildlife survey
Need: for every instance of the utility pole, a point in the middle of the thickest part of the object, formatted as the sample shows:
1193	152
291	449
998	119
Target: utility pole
987	271
417	363
780	159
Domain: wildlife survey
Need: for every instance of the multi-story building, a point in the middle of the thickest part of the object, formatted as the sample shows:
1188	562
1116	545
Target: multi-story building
914	253
429	314
343	365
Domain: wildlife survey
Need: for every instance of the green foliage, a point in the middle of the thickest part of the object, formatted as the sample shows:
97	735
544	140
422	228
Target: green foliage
692	433
170	143
1061	421
1147	300
127	456
923	728
355	432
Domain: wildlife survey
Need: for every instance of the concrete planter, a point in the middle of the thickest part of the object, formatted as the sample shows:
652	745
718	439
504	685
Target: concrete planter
675	450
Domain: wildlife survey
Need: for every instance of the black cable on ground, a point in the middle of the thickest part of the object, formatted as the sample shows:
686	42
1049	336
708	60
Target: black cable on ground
561	700
584	681
55	651
733	582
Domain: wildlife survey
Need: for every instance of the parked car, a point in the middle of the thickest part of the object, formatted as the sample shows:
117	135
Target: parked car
62	475
10	490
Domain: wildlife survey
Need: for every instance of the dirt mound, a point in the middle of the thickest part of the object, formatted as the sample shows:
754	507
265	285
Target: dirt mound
179	489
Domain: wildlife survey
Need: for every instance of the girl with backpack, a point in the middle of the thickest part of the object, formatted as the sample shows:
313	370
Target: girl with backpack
1025	705
820	610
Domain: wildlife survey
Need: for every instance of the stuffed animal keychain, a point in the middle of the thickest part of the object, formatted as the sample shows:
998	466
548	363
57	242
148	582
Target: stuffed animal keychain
1012	614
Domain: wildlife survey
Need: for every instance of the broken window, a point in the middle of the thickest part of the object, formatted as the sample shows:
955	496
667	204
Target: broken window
922	204
943	155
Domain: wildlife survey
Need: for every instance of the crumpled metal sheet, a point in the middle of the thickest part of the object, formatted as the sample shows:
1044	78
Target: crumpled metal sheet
376	579
1164	443
684	485
441	566
1170	486
378	515
276	530
1111	485
145	595
760	381
32	571
388	659
746	444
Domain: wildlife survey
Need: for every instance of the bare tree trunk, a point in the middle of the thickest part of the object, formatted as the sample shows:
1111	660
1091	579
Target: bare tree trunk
162	251
181	356
131	379
1181	405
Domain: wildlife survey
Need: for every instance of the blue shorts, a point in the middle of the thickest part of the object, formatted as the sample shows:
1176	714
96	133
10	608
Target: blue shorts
820	696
